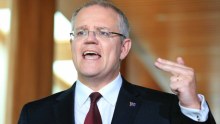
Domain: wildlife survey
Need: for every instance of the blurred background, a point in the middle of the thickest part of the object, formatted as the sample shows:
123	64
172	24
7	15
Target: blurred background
35	55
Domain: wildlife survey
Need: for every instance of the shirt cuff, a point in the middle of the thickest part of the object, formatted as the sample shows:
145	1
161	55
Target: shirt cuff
200	115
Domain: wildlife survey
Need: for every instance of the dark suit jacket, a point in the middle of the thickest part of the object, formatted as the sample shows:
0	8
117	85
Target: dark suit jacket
135	105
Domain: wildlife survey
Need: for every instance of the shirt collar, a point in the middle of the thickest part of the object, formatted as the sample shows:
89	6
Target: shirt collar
109	92
82	93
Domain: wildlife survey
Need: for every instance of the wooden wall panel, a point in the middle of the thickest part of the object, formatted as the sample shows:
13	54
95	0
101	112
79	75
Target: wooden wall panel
31	59
137	73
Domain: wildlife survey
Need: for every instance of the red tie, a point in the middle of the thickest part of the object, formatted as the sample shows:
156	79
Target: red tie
93	116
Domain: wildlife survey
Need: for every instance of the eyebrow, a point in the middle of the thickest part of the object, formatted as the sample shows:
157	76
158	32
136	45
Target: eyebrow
103	28
81	27
96	27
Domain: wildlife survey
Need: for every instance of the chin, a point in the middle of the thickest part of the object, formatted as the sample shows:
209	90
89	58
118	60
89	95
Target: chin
89	74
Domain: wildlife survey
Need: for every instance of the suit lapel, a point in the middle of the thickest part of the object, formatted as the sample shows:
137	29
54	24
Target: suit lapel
126	108
64	107
127	105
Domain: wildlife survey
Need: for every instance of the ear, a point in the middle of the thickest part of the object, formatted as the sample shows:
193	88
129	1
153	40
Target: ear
125	48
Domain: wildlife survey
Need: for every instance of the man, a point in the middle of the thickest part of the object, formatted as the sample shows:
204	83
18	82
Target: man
99	42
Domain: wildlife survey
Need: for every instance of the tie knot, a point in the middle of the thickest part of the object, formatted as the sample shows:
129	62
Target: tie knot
95	96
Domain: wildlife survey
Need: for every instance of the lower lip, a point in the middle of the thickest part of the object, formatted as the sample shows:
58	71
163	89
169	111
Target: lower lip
92	57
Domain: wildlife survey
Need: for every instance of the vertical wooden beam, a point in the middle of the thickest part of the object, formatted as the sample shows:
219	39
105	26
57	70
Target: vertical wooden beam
30	73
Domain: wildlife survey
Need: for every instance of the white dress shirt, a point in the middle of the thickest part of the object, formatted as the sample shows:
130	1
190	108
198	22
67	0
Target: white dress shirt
107	103
200	115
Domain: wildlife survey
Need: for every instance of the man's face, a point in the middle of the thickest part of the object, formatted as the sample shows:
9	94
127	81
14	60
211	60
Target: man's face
96	57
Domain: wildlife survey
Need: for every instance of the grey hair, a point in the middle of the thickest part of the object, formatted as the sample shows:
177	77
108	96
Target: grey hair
123	21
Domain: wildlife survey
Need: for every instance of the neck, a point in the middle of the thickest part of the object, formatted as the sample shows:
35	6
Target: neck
96	83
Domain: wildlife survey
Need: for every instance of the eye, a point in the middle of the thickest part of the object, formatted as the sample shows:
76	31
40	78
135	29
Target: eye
81	33
104	33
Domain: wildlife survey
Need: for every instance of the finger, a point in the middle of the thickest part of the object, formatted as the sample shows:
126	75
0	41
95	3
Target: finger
171	63
180	60
171	68
174	84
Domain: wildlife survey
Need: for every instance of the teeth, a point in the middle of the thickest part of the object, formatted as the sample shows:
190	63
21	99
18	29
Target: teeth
90	53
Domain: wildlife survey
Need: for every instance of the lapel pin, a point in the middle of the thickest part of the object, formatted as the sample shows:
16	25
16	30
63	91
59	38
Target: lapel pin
132	104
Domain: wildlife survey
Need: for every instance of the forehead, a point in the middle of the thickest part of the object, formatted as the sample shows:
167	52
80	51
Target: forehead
97	16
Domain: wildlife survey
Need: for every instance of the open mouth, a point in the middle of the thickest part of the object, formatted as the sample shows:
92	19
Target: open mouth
91	55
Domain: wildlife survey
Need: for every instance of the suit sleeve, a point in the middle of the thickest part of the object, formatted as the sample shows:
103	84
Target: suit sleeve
23	119
178	117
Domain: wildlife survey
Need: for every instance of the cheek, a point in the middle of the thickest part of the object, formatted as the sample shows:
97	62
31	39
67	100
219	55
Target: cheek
114	52
75	51
118	50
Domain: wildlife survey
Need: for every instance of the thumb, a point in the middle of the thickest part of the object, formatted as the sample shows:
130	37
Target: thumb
180	60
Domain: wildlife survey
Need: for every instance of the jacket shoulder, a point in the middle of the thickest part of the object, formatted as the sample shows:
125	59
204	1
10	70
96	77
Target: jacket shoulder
148	94
49	100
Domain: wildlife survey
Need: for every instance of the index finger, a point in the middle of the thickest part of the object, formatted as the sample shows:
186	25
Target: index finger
171	67
179	63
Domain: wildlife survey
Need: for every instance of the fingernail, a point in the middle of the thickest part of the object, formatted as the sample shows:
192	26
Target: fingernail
159	59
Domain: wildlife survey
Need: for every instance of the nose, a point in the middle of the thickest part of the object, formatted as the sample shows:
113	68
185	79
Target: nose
91	39
92	34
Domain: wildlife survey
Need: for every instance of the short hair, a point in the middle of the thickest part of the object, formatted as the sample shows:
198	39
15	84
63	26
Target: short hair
123	21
